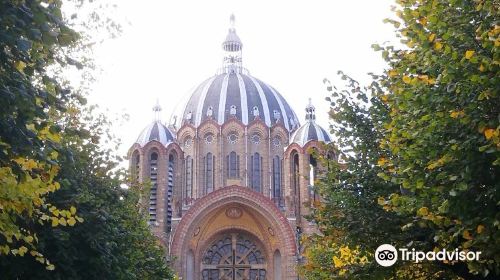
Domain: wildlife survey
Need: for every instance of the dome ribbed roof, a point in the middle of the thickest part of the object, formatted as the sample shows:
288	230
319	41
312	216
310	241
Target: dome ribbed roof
238	95
310	131
155	131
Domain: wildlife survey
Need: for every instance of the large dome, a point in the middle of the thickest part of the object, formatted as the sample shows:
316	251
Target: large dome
236	95
233	93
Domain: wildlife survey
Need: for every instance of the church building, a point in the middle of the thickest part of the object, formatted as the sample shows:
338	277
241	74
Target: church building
231	176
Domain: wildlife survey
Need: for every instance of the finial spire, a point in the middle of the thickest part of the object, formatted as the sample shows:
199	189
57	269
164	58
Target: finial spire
232	49
310	112
157	110
232	21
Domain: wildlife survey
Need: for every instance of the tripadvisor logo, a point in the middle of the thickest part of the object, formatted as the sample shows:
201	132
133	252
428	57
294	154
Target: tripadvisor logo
387	255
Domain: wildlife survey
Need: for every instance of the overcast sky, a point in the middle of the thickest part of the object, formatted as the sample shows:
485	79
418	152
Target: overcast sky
170	47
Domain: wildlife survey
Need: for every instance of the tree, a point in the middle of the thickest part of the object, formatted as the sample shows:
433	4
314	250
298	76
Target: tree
445	125
351	221
60	193
428	128
114	242
32	39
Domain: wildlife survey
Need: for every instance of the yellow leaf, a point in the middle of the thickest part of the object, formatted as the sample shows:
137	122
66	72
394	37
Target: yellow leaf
337	262
424	211
466	235
381	200
456	114
50	267
488	133
71	221
55	222
72	209
381	161
438	46
480	228
482	68
406	79
431	37
344	251
54	155
62	221
20	65
22	250
469	54
392	73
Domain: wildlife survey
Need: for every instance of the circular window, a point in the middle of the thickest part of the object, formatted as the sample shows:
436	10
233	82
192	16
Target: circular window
188	142
232	138
209	138
277	141
255	138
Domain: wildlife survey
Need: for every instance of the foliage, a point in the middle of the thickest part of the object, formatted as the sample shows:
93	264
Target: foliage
32	38
445	124
114	242
60	194
350	219
421	150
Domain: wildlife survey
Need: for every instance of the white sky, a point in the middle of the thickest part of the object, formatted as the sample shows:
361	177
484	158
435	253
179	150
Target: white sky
172	46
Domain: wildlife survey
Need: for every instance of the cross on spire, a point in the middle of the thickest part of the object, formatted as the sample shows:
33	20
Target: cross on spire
156	111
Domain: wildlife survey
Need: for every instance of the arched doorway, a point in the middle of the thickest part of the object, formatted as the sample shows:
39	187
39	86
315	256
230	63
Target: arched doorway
240	219
234	256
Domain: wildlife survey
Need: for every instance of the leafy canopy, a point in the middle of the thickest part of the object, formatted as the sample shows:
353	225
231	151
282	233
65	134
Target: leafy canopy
422	150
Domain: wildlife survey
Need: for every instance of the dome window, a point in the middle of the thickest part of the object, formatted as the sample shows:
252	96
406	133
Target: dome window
277	115
255	138
255	111
189	116
277	141
209	138
232	111
188	141
232	138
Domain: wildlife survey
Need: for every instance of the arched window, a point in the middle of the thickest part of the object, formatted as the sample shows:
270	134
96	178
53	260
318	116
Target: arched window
296	183
313	164
209	172
189	180
277	193
234	256
256	169
153	177
233	165
170	190
136	166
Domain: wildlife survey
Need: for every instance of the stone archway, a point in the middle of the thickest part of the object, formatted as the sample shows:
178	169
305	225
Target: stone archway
228	218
